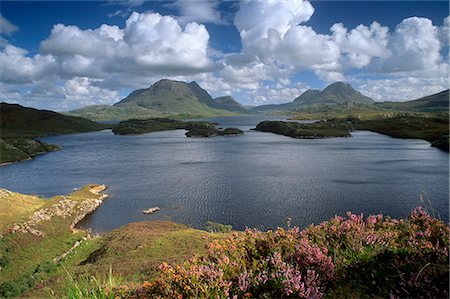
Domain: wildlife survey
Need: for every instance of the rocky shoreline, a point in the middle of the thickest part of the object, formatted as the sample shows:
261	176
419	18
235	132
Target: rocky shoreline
65	207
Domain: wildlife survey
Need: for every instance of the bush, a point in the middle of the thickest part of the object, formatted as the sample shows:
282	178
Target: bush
344	257
214	227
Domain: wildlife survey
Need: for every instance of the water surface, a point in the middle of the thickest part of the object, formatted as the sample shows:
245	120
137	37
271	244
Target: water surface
256	180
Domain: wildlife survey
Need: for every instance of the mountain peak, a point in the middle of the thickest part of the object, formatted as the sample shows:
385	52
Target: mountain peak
335	93
170	96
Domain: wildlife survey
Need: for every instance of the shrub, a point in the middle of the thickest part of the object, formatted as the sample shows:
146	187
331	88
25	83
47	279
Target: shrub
343	257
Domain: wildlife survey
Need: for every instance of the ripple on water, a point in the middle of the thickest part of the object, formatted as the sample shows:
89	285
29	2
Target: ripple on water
256	180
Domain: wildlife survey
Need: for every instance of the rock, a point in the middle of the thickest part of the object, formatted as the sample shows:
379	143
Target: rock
151	210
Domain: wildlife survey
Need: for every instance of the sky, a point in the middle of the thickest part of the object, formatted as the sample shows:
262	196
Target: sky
63	55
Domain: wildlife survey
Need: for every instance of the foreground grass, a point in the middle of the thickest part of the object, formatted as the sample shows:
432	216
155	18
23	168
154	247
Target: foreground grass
35	233
345	257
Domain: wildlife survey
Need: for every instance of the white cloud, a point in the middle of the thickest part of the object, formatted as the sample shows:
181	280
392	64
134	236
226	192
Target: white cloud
255	18
149	46
402	89
16	67
6	28
444	32
414	45
202	11
361	44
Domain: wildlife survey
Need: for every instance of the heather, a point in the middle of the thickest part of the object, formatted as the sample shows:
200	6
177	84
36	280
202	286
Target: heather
348	256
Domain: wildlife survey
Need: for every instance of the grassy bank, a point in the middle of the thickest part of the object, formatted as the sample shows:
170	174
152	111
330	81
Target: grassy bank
35	232
345	257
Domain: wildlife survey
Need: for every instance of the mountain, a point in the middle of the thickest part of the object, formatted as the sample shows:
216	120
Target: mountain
164	98
434	102
307	96
230	104
19	125
19	121
168	96
338	93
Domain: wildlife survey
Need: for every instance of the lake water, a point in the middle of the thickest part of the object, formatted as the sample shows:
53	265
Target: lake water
256	180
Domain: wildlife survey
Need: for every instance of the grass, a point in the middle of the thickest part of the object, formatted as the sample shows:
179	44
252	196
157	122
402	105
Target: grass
15	207
313	130
430	127
27	259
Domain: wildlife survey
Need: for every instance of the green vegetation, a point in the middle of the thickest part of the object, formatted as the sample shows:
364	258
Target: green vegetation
341	258
352	257
18	121
195	128
20	125
166	98
108	113
143	126
433	128
432	103
336	94
214	227
36	232
18	149
321	129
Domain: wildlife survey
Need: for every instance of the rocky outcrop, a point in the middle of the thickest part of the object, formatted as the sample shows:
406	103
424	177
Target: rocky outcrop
66	207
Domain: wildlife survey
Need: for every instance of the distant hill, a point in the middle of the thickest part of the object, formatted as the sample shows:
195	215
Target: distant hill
338	93
20	125
434	102
230	104
165	97
170	96
19	121
108	113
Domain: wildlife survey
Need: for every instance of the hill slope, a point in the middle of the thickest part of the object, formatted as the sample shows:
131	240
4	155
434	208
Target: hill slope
19	124
19	121
162	99
435	102
335	94
170	96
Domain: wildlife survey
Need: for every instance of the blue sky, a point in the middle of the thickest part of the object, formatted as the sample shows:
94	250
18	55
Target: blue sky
68	54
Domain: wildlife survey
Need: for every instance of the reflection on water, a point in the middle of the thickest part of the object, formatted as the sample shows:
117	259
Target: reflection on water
256	180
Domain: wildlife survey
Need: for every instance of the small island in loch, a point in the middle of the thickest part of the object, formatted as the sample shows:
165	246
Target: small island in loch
194	128
321	129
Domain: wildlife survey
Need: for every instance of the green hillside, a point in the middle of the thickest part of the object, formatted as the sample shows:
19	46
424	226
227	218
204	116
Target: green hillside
434	102
19	121
336	94
165	98
19	125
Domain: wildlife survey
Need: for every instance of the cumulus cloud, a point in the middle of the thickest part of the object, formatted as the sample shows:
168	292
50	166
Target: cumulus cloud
255	18
149	46
203	11
76	67
361	44
271	31
444	32
6	28
16	67
414	45
149	43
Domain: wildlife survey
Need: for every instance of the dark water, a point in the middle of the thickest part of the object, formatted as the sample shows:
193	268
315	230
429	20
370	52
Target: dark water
254	180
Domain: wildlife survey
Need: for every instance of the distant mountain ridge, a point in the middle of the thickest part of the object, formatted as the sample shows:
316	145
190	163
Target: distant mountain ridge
19	121
435	102
334	94
180	97
167	97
